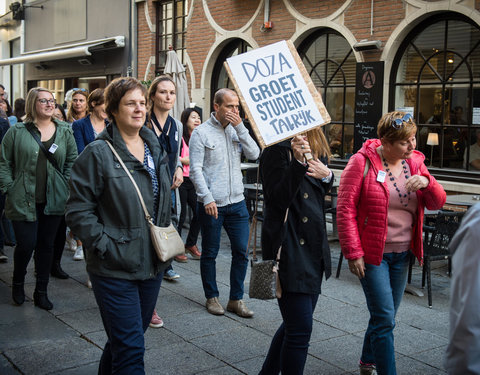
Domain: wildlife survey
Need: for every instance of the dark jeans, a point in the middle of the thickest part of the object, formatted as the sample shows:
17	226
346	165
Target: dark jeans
383	286
39	236
126	307
189	196
289	348
234	218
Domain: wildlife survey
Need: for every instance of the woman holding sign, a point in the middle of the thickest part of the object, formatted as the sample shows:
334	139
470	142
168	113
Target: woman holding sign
383	192
294	191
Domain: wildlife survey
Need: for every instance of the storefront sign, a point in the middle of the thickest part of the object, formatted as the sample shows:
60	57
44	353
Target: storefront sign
368	101
276	92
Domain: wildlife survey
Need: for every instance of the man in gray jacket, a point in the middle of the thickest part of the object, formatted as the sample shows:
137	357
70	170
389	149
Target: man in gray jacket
216	148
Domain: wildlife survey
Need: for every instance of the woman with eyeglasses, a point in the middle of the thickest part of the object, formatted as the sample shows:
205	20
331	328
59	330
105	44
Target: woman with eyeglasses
78	106
381	200
35	162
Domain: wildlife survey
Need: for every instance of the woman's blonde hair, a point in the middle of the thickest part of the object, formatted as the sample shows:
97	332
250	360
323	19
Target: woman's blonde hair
391	132
30	103
318	143
71	115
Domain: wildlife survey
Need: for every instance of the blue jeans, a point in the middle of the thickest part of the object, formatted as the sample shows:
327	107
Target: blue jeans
126	307
383	286
234	218
289	348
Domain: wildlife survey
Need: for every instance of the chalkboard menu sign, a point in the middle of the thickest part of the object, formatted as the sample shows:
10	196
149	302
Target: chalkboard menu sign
368	101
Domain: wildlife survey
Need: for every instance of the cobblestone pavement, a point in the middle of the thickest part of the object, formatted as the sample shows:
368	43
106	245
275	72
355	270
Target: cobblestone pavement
68	339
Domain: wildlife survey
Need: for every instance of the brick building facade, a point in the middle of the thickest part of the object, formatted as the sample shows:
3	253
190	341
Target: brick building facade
327	35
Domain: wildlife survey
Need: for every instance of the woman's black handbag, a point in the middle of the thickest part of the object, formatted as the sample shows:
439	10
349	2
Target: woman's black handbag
264	281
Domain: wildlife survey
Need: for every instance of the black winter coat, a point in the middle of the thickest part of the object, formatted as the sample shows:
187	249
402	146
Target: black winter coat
305	254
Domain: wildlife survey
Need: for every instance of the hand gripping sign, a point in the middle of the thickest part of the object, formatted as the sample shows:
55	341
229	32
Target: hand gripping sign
276	92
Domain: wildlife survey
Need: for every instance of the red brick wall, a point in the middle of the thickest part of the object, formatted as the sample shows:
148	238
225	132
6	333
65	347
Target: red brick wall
316	9
233	14
145	39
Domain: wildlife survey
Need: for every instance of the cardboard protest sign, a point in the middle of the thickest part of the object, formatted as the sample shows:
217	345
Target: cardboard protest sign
276	92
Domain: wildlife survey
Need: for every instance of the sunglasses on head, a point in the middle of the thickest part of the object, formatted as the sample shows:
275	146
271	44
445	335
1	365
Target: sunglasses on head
79	89
398	122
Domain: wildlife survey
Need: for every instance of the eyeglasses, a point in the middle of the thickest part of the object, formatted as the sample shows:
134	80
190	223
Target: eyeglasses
398	122
44	101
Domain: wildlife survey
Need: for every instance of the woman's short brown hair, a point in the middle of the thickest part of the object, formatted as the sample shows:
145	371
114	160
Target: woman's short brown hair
390	131
117	89
96	96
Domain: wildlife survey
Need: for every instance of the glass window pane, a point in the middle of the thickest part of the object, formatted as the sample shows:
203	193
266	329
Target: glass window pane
409	66
168	11
406	97
461	37
432	71
431	39
430	104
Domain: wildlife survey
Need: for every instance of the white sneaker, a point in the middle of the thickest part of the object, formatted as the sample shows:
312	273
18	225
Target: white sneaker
78	253
71	243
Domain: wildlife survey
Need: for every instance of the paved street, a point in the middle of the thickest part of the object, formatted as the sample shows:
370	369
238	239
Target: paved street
68	339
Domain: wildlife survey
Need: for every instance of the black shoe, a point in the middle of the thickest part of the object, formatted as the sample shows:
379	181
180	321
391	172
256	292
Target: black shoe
3	257
40	299
58	272
18	293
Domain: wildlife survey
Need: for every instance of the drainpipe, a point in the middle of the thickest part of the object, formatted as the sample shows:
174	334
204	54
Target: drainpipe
132	38
371	18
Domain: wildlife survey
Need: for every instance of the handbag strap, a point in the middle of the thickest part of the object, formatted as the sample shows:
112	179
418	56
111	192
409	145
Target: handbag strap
49	156
147	215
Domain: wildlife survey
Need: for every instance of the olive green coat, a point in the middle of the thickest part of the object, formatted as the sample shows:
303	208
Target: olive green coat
18	163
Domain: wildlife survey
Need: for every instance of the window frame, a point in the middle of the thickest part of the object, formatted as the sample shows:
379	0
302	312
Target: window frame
160	35
441	170
327	59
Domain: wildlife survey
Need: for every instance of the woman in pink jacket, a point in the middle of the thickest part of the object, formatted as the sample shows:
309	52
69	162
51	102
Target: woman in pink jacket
382	196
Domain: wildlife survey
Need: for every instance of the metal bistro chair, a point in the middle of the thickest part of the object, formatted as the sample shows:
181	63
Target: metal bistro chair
435	244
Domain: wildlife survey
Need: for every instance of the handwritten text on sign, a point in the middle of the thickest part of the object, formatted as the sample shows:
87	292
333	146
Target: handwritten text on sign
275	92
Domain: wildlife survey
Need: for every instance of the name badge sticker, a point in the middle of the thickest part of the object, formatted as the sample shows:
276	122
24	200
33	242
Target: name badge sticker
53	148
381	176
150	162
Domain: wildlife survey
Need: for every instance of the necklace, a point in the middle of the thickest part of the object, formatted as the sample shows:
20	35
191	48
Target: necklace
404	198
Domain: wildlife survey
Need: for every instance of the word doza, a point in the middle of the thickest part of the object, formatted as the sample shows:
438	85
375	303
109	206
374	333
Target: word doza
280	101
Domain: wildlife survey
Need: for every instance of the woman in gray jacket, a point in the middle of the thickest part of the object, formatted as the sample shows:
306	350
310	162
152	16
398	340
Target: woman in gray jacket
105	212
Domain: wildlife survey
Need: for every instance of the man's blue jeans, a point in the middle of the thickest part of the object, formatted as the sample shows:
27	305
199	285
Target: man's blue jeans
126	307
289	348
383	286
234	218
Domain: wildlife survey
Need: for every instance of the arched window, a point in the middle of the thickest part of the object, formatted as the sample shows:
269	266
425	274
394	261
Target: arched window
436	76
330	61
220	77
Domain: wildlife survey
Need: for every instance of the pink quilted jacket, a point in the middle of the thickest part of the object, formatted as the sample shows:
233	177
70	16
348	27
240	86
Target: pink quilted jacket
363	202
